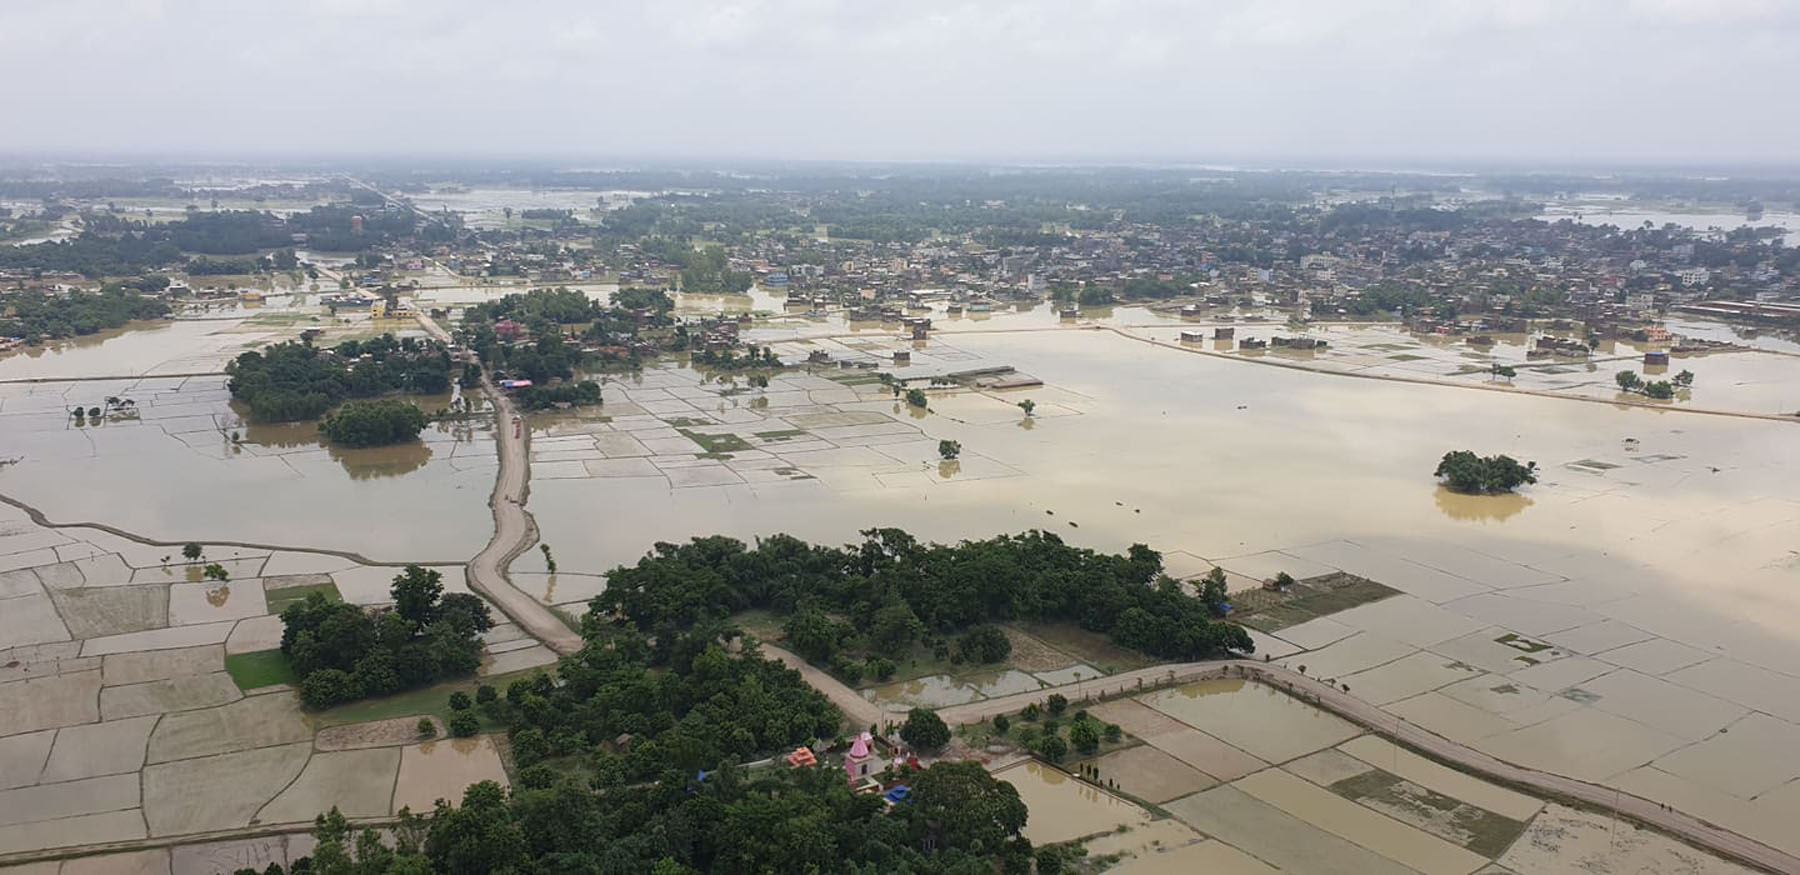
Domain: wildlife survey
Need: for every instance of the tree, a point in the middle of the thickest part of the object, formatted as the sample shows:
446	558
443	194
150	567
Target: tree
464	724
1660	390
1052	747
1001	724
1212	591
967	806
1057	704
373	423
416	592
459	701
191	551
812	635
1114	733
983	644
1503	371
916	397
427	728
328	687
215	571
1028	405
949	449
1463	471
480	836
1628	381
1084	735
1684	379
924	729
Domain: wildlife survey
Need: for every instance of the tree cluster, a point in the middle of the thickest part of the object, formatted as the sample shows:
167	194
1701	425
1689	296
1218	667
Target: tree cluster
583	394
960	821
894	591
295	380
1466	472
342	652
39	316
373	423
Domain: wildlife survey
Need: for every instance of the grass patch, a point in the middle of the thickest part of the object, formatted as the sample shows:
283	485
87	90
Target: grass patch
1310	599
289	595
1452	820
433	701
1091	648
685	422
716	443
264	668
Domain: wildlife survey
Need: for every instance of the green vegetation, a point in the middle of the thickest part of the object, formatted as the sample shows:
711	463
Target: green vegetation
1466	472
295	380
925	730
373	423
716	443
1661	390
341	652
895	591
583	394
948	450
279	599
982	644
916	397
959	820
1269	611
36	316
264	668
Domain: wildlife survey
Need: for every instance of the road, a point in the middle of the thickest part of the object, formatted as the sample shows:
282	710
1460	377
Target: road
514	529
1330	698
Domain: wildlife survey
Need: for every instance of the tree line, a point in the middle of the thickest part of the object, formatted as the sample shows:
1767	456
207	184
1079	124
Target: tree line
37	316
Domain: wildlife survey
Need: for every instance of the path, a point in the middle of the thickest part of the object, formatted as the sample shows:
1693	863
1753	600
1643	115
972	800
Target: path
861	712
1330	698
514	529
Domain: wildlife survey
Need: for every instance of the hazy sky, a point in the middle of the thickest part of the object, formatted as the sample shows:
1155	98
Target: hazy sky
1568	81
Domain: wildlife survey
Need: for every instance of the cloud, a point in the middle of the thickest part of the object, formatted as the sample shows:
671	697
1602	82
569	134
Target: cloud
1244	80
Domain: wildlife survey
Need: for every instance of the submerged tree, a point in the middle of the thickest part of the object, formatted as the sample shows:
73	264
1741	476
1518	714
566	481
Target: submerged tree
1466	472
949	449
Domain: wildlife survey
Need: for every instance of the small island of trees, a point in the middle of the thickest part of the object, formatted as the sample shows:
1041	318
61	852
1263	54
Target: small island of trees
373	423
1463	471
295	380
37	317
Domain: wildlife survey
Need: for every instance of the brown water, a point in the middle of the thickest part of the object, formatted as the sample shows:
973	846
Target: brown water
1063	808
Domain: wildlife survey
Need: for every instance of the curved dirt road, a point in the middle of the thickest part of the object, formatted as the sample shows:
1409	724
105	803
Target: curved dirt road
514	529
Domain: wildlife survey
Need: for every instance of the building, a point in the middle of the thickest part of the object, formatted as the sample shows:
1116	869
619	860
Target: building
859	763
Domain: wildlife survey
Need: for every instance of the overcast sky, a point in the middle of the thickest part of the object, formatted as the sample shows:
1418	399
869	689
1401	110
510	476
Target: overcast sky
1562	81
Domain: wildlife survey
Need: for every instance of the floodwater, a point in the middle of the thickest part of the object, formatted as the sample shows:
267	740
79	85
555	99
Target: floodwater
185	464
938	691
1627	215
1064	808
1254	717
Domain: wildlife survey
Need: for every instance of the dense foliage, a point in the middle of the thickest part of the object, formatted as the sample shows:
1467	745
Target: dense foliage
1464	471
584	393
295	380
894	589
959	820
341	651
39	316
373	423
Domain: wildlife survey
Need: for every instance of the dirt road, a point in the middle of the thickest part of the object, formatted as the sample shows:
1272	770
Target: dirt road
514	529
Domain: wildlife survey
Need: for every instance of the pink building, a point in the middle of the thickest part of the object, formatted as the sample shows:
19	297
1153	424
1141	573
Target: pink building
859	762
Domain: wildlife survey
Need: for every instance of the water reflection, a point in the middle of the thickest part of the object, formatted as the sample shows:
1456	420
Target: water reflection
949	468
368	463
1460	506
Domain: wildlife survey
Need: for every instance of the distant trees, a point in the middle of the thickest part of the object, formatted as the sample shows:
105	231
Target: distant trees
373	423
1463	471
583	394
37	316
1661	390
1502	372
342	652
949	450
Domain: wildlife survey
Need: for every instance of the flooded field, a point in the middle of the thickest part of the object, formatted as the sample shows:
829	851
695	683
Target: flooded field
1627	620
